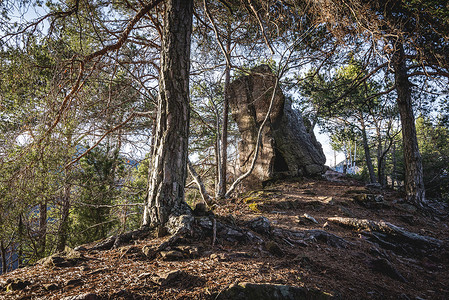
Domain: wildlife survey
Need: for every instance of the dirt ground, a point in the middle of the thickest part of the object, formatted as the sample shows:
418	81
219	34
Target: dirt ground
357	266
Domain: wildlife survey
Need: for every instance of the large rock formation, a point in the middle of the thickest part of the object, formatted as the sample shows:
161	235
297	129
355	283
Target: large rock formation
287	148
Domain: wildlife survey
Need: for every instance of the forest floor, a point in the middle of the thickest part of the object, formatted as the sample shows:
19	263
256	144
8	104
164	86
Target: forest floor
341	262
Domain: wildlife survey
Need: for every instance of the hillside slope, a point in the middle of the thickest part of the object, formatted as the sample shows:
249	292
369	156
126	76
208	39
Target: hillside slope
297	243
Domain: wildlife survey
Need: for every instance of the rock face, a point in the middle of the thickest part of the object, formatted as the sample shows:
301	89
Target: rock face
287	148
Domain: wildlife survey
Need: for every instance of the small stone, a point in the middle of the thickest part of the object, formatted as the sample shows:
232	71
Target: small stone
148	251
274	248
191	251
80	248
260	225
74	282
169	277
326	226
171	255
50	286
218	256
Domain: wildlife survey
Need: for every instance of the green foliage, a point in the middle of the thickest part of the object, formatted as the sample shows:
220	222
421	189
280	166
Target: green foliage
433	142
96	191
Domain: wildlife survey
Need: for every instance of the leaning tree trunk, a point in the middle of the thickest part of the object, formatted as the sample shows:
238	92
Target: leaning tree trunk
168	172
414	181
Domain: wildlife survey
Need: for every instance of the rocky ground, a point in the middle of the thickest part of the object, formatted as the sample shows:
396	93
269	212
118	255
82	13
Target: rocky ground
300	239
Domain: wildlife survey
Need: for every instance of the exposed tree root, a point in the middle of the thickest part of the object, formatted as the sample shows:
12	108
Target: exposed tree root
392	232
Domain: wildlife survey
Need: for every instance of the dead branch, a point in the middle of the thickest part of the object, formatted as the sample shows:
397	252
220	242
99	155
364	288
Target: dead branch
204	194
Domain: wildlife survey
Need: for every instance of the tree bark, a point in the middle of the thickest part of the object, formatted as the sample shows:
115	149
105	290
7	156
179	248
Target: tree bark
414	181
42	228
380	158
3	254
369	162
64	223
224	129
168	172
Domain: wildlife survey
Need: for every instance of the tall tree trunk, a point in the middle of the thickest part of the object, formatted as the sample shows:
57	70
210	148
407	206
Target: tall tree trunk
168	172
64	223
217	150
414	181
369	162
3	254
42	228
394	172
224	129
20	241
380	157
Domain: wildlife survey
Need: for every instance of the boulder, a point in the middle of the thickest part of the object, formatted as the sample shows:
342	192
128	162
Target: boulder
67	258
288	149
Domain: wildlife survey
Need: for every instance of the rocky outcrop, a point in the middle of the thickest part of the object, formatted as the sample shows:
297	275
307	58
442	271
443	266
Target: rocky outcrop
287	148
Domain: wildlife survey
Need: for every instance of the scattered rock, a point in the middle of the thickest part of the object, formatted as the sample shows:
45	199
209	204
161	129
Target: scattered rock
370	200
68	258
74	282
255	291
260	225
169	277
274	248
219	256
50	286
189	251
148	251
171	255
